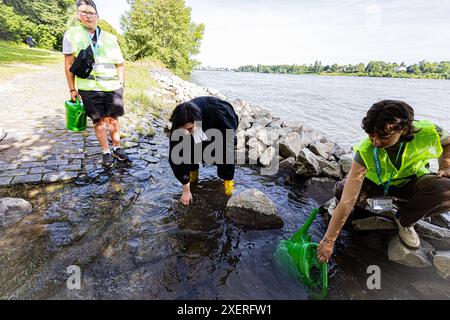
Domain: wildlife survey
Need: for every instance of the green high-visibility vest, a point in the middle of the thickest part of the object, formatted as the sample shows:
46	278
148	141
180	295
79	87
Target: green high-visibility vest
425	146
104	77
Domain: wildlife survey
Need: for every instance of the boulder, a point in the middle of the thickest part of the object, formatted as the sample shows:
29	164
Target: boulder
287	166
252	132
291	145
346	161
244	124
308	135
307	164
374	223
341	148
441	261
255	149
441	220
329	168
267	156
437	236
322	147
398	253
252	209
263	121
268	136
12	210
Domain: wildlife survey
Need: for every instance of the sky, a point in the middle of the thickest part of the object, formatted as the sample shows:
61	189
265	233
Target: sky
241	32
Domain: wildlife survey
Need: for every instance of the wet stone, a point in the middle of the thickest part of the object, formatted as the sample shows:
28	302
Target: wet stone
75	156
142	175
150	159
31	178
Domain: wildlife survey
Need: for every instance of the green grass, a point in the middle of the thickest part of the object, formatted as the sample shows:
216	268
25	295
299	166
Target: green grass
11	53
16	59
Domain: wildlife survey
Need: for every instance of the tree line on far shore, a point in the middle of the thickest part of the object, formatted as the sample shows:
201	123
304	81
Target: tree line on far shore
422	69
158	29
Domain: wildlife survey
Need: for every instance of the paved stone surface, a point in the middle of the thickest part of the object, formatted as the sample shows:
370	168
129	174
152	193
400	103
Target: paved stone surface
38	145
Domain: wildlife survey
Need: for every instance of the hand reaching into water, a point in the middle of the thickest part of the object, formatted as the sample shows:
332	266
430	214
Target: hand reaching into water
186	198
325	250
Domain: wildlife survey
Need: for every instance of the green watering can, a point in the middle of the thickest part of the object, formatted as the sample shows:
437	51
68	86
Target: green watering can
303	255
76	119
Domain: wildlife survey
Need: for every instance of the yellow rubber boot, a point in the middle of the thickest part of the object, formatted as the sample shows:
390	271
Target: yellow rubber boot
229	187
193	176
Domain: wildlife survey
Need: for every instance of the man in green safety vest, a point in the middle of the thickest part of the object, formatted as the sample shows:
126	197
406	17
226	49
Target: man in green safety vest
102	91
392	163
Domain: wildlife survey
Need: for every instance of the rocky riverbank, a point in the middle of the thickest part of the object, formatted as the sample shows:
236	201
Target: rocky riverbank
308	157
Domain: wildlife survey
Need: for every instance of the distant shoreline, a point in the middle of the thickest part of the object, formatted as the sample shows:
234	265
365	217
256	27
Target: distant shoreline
339	74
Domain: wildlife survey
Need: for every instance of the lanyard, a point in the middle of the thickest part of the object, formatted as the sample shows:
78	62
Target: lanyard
94	47
378	167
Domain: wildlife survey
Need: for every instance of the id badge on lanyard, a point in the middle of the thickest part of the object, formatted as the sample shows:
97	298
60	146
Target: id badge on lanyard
385	203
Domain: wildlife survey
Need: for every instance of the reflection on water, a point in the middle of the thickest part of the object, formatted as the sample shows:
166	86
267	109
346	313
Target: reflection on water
336	105
133	240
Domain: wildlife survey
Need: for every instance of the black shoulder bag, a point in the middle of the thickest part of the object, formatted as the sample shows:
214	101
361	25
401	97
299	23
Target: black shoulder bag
84	62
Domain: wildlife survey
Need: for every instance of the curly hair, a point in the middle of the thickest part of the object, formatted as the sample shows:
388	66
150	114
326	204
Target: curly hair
398	114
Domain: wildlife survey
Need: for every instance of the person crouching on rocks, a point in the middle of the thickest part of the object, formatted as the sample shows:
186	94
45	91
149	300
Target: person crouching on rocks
102	91
393	162
190	121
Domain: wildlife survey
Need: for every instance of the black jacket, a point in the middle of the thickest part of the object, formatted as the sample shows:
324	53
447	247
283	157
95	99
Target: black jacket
216	114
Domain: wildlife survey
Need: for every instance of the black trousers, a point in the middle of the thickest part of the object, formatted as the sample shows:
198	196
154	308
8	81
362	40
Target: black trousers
423	197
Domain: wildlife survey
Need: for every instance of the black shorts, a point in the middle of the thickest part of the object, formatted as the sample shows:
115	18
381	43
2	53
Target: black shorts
100	104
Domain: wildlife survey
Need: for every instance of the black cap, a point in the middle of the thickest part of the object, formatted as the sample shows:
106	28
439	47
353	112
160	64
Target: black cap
88	3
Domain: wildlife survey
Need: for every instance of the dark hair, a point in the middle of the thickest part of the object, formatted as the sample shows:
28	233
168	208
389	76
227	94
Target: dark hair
87	3
393	112
184	113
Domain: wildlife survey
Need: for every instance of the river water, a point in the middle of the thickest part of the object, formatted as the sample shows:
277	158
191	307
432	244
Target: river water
132	239
332	105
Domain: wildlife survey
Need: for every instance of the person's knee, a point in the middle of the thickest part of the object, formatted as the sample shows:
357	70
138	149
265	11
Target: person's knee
99	123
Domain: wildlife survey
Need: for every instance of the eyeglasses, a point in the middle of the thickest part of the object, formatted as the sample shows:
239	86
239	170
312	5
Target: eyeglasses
87	14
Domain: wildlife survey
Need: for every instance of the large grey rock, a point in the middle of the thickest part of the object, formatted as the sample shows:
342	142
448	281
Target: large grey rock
346	161
374	223
268	156
329	168
252	209
309	135
252	132
268	136
441	261
12	210
287	166
307	164
245	124
291	145
322	147
263	121
442	220
341	149
398	253
255	149
437	236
